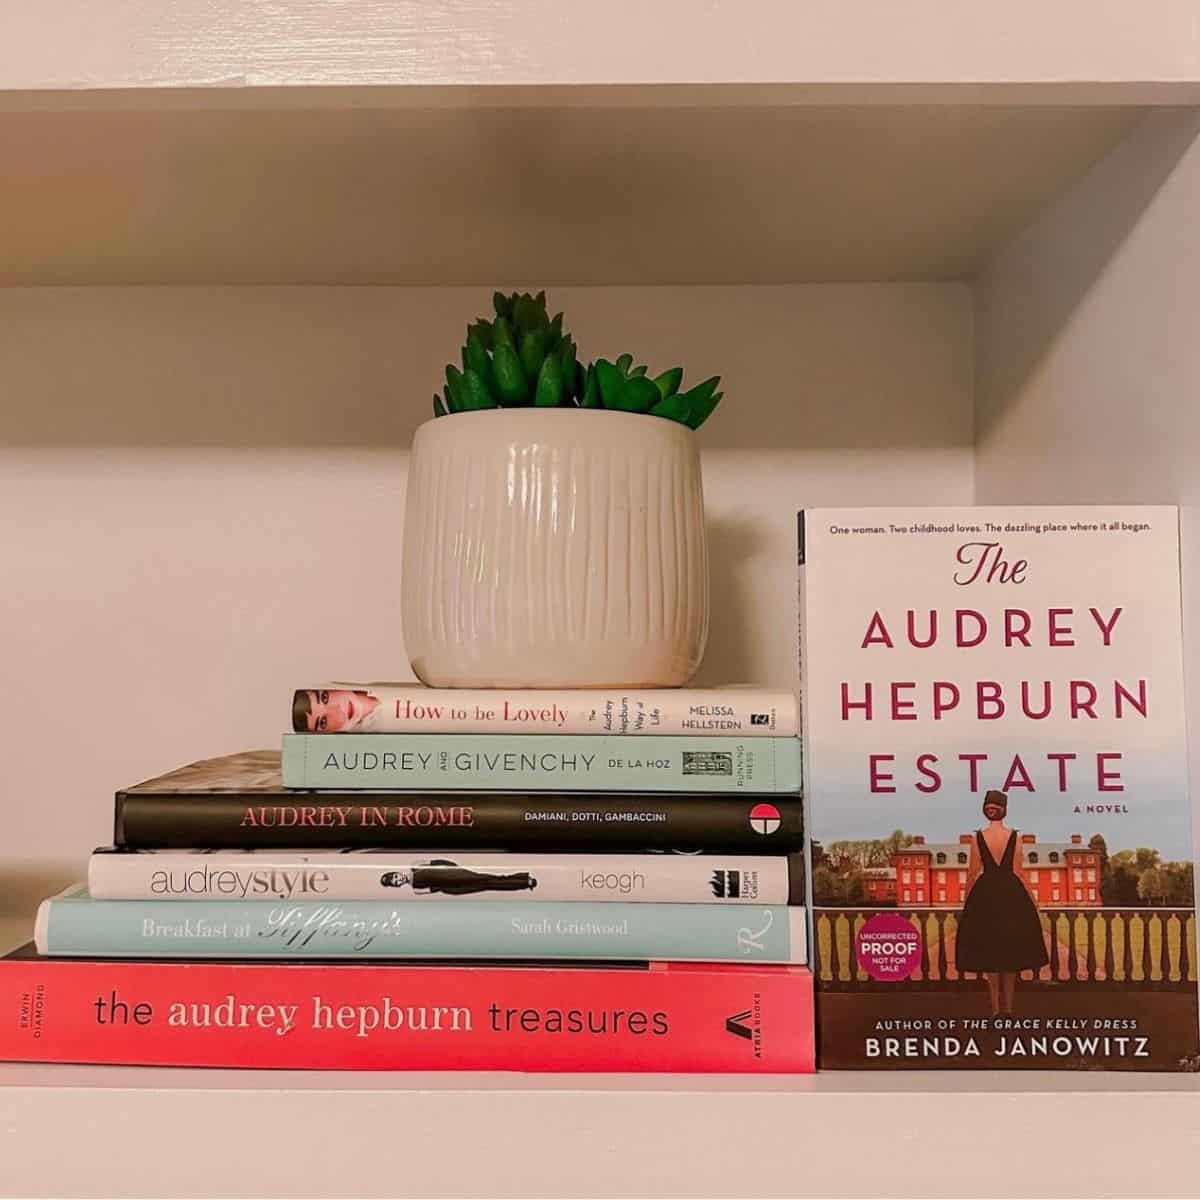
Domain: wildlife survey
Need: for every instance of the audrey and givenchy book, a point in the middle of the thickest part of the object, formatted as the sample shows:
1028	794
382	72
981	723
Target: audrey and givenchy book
353	1016
739	711
541	762
996	760
238	802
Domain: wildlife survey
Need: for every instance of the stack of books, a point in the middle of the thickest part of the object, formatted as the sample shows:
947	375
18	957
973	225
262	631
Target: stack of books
448	879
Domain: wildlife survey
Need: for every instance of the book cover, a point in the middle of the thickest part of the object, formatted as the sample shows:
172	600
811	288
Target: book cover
348	1016
413	708
540	762
238	802
387	875
996	757
74	924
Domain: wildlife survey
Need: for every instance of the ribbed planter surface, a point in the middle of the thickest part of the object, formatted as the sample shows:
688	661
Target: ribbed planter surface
554	548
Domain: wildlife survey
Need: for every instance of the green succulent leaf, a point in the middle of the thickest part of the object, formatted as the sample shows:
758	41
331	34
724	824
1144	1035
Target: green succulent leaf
475	392
701	410
624	363
639	395
549	390
439	409
668	382
475	357
511	387
502	304
482	331
610	380
566	358
673	407
533	351
528	314
702	392
502	333
638	372
591	388
556	326
454	386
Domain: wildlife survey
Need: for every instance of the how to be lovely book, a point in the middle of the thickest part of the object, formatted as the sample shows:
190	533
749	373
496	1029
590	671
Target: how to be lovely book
996	767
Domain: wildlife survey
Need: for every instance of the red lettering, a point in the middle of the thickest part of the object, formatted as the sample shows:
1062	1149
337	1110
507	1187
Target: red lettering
877	634
880	779
1060	634
1106	780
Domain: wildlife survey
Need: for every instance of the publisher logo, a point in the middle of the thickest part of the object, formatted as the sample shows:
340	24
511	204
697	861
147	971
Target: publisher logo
747	1024
760	719
707	762
765	819
726	885
739	1025
888	948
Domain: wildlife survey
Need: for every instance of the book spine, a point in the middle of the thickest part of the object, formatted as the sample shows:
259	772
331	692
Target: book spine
462	821
625	878
378	1017
77	926
538	762
685	712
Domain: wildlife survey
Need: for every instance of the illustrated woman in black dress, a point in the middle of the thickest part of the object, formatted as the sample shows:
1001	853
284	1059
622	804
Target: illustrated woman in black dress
1000	933
444	877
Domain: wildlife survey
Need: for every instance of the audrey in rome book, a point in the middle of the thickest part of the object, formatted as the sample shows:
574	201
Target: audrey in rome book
996	772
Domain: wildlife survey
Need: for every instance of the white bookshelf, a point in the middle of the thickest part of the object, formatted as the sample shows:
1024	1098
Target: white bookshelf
938	257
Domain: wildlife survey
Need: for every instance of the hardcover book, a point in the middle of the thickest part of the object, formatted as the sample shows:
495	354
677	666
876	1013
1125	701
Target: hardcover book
351	1016
540	762
239	802
996	767
413	708
74	924
387	875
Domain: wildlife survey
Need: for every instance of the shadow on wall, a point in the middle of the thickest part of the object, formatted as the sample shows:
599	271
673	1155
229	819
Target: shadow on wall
732	543
813	367
1017	325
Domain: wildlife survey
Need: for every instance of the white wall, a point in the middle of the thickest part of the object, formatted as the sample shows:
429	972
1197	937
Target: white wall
201	495
1088	334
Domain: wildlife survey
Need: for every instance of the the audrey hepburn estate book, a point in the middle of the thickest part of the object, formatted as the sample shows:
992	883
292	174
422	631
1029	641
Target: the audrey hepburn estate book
388	875
75	925
739	711
373	1016
997	771
541	762
238	802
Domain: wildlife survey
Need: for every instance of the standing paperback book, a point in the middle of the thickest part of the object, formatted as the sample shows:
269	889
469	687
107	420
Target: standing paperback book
997	774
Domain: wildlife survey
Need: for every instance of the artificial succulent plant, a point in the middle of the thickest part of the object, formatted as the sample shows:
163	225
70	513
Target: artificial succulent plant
522	357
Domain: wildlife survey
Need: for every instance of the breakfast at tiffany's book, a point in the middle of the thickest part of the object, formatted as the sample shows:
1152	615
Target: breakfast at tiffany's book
997	779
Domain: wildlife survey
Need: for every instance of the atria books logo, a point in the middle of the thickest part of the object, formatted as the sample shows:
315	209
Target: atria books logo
764	818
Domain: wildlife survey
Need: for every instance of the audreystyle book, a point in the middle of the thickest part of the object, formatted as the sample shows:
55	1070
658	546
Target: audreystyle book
996	769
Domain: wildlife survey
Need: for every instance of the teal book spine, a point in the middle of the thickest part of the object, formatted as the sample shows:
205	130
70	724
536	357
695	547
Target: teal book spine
75	925
541	762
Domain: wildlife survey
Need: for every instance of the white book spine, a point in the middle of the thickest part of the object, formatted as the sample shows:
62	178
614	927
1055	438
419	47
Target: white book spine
368	875
411	708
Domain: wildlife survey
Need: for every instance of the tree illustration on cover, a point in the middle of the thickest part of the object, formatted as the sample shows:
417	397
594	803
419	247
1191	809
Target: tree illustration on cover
445	877
522	358
1000	933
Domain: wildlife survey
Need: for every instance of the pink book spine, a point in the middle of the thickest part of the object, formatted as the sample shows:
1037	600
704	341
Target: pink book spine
670	1018
410	708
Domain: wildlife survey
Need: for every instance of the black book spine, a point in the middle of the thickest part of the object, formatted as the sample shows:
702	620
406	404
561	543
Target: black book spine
481	821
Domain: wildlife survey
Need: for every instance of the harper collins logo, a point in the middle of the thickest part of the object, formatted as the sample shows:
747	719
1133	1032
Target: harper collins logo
726	884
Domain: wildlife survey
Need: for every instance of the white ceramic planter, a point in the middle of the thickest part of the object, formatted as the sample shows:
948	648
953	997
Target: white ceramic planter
554	548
